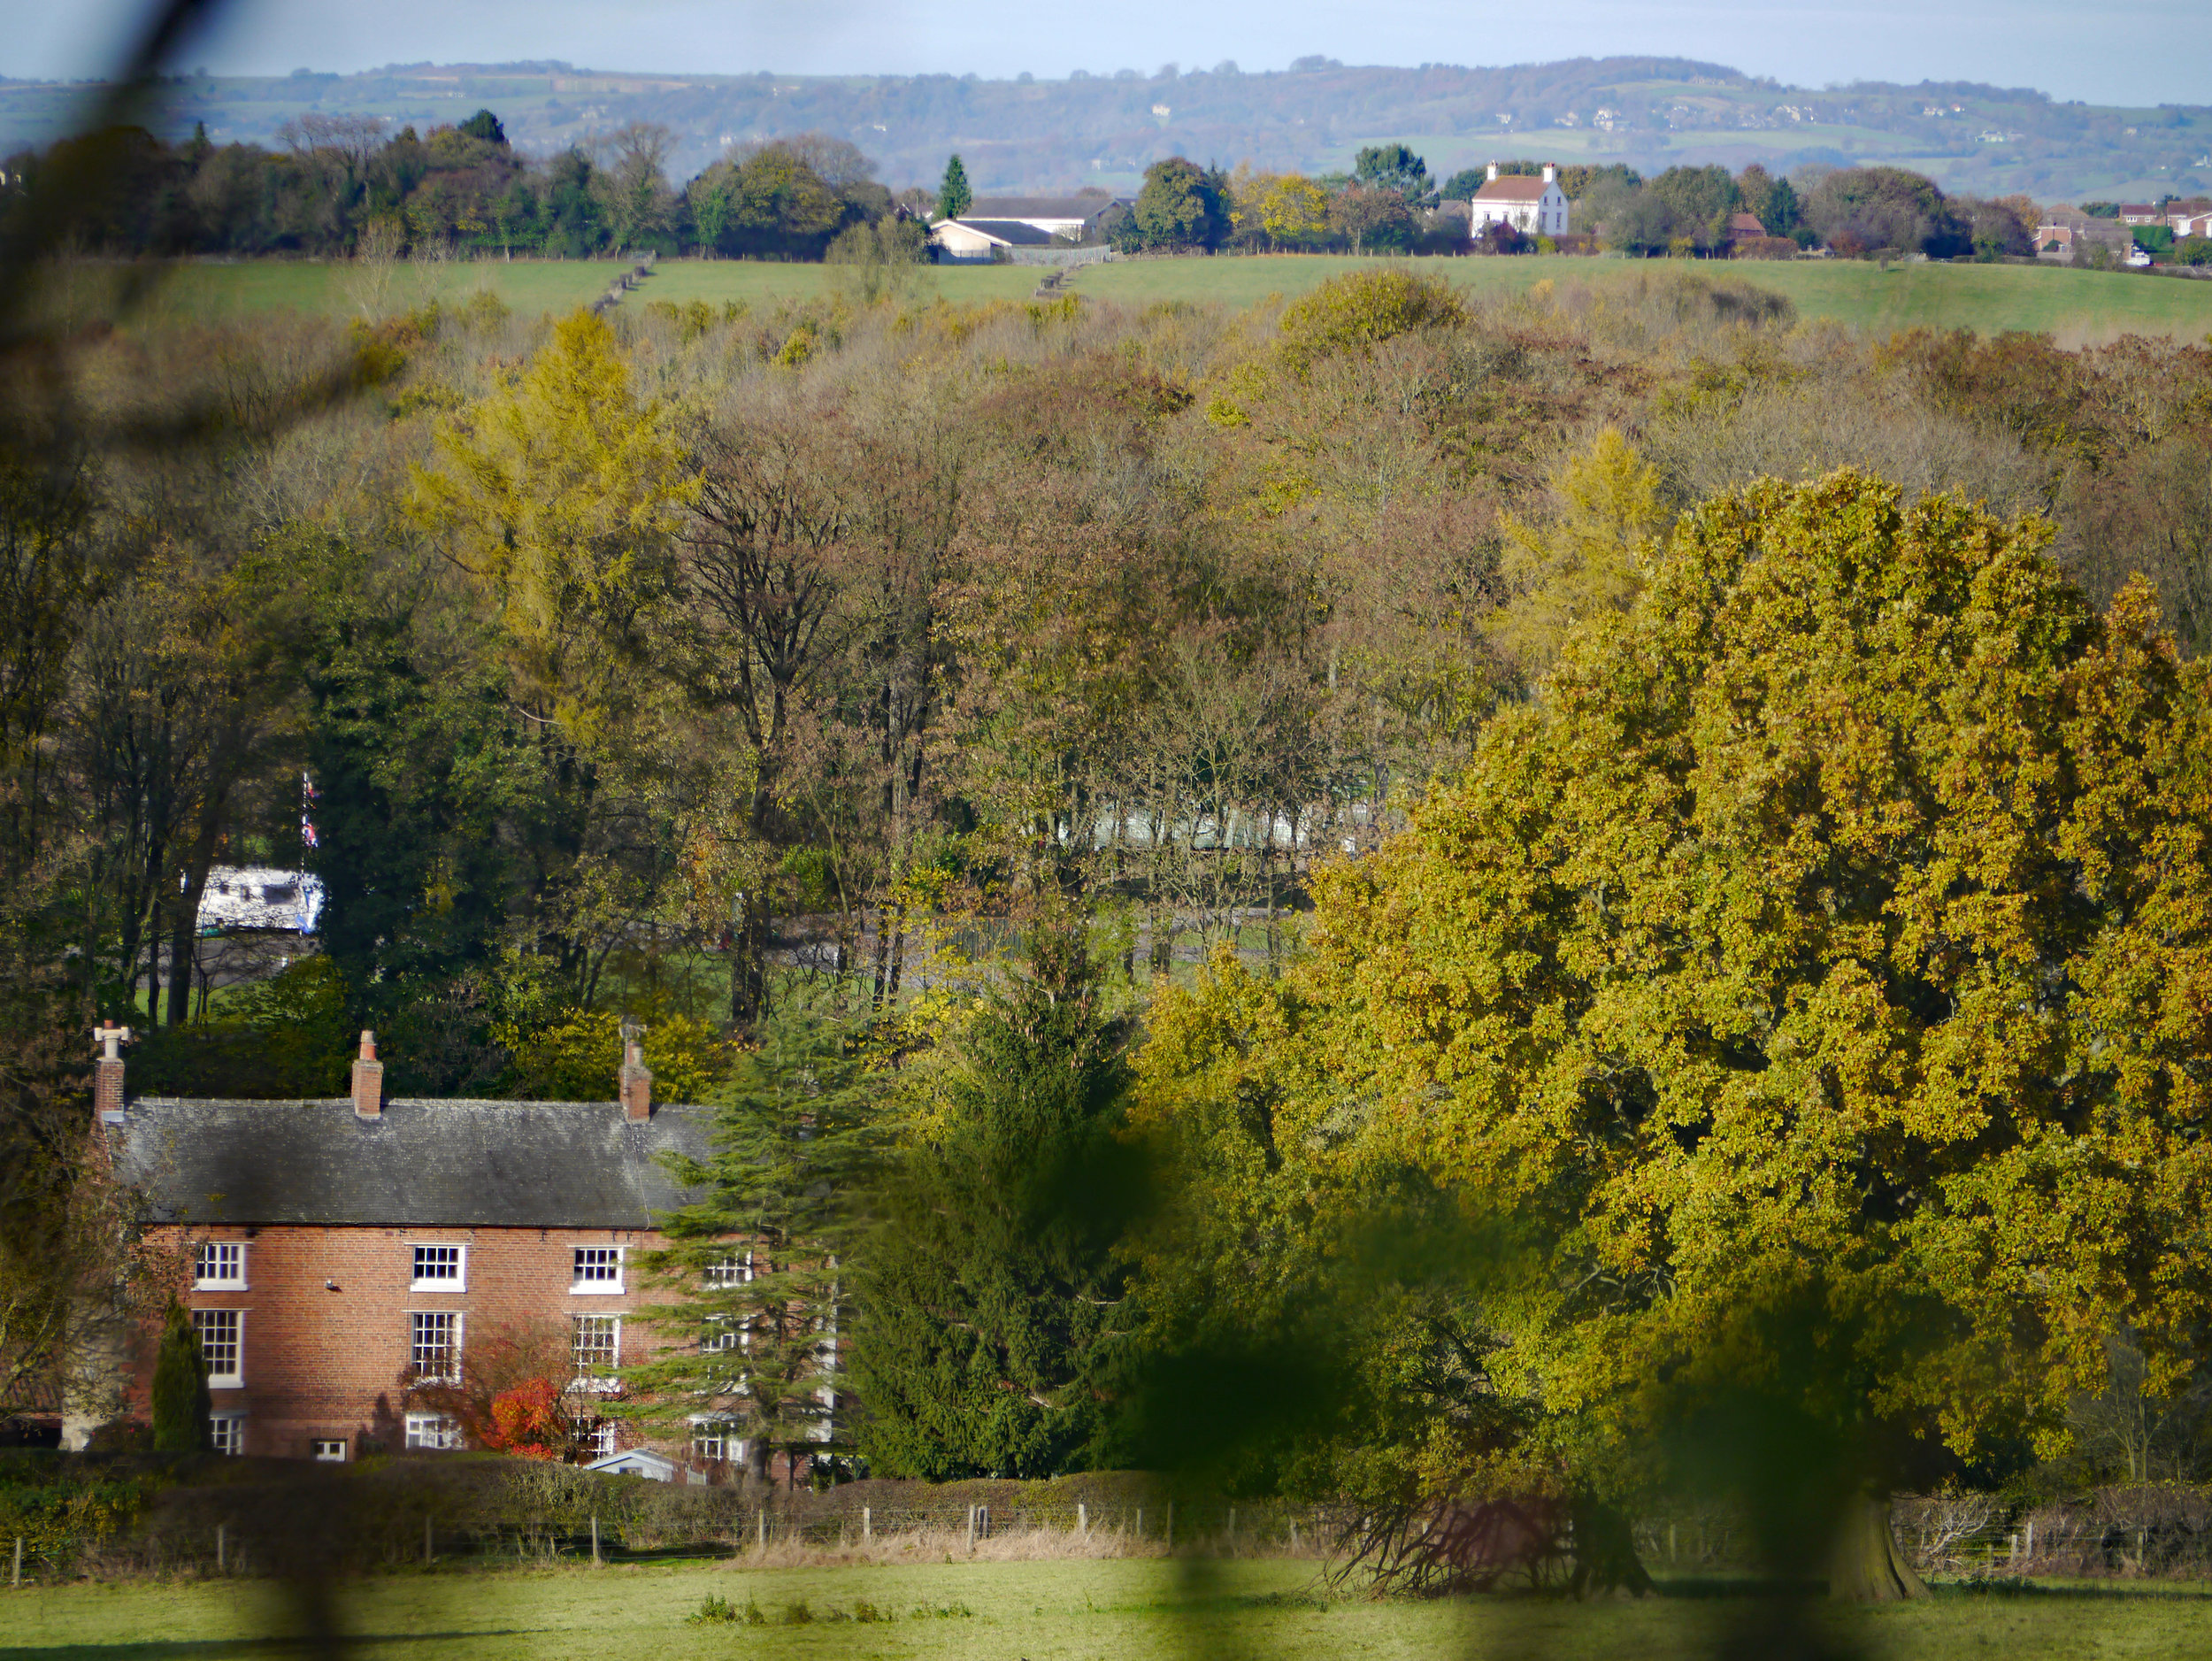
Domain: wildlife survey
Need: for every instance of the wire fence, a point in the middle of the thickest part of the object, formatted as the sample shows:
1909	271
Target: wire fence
2149	1531
247	1540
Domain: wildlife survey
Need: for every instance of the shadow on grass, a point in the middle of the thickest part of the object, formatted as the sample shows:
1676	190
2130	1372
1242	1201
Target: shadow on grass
2079	1591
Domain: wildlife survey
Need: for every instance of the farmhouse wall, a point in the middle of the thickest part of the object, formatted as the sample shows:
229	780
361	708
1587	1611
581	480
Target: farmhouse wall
325	1331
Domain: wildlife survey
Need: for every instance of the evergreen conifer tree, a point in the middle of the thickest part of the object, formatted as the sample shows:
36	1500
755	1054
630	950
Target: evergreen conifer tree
757	1261
954	198
989	1299
181	1404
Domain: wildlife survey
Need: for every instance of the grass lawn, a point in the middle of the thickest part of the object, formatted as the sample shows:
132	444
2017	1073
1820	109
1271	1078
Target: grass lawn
2078	306
1109	1610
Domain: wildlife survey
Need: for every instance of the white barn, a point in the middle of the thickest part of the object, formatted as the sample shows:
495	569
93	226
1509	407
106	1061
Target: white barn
1534	207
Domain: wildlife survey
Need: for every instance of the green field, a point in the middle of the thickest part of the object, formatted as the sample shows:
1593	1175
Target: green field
2076	306
1114	1609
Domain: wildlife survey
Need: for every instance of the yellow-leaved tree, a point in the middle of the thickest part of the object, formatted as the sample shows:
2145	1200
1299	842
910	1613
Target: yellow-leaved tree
1591	554
1814	984
561	496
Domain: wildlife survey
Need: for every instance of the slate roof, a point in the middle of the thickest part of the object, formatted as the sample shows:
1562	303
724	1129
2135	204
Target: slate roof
539	1164
1018	232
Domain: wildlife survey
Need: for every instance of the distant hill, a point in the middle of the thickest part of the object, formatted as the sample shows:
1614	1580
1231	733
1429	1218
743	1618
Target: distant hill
1028	134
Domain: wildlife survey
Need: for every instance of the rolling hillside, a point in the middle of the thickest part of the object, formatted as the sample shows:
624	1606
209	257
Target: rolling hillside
1027	133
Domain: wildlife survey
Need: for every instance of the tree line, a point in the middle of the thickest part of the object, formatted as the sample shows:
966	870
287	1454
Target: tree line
344	186
1319	892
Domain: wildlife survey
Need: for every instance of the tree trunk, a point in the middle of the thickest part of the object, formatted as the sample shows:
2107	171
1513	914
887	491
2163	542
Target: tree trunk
1867	1566
1605	1560
748	959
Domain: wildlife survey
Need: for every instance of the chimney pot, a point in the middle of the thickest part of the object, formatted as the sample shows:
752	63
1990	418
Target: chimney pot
1494	169
637	1082
1551	172
368	1080
107	1071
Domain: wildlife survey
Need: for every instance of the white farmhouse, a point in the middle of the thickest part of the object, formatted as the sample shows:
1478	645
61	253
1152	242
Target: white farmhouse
1534	207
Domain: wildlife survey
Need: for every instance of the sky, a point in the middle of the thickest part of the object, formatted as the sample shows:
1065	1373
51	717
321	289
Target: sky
2122	52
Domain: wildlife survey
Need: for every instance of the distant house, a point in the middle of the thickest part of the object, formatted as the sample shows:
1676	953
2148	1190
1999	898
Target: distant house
2191	225
2141	213
1534	207
2054	242
971	240
1742	227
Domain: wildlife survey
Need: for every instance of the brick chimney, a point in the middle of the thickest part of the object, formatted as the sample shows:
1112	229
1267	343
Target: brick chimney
368	1080
1551	173
1494	169
107	1071
637	1083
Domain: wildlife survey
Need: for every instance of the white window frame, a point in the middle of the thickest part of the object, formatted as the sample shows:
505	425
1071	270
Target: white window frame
725	1333
417	1282
328	1450
596	1438
226	1431
230	1276
597	1384
236	1379
439	1432
730	1271
416	1319
716	1441
578	1287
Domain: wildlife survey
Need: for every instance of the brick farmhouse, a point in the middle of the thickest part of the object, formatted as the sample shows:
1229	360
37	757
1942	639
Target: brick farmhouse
336	1250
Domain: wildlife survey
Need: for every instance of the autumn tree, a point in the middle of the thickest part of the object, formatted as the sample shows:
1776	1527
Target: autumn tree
1812	976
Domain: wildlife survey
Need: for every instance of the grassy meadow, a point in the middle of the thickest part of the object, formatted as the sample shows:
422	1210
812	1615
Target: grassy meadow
2077	307
1096	1609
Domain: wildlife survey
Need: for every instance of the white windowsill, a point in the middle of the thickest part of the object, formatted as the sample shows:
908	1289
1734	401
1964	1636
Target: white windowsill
437	1286
231	1381
597	1290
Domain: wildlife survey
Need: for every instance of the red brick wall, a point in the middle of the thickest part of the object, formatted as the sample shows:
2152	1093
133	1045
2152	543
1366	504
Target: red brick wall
325	1364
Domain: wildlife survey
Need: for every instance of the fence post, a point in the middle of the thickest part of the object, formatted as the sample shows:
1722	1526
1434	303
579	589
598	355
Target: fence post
1232	1524
19	1561
1082	1519
867	1525
1139	1522
594	1537
983	1521
971	1528
1671	1554
426	1540
1171	1524
2031	1540
1293	1534
761	1527
220	1565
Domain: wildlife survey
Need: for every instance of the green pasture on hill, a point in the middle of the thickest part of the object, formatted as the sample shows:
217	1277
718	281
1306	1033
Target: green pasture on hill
1115	1610
2076	306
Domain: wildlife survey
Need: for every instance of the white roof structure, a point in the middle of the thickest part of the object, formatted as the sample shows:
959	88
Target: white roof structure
259	898
643	1462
